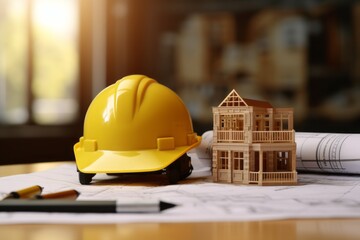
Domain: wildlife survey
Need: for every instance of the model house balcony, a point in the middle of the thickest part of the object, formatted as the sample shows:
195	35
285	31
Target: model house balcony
231	136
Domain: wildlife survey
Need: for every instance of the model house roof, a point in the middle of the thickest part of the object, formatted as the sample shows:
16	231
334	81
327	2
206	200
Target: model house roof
234	100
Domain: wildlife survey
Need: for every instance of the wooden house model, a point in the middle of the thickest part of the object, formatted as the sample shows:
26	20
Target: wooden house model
253	142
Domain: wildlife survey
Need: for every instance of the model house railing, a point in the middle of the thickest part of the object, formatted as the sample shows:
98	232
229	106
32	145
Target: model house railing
253	177
231	136
275	177
273	136
272	177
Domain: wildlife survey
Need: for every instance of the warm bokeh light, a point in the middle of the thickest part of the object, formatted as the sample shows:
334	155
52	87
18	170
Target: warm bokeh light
55	31
13	42
50	40
57	16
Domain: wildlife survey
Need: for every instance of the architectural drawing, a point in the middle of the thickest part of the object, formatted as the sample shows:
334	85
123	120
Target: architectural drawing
328	152
253	142
200	199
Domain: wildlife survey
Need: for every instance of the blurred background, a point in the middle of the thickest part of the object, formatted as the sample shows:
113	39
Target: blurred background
56	55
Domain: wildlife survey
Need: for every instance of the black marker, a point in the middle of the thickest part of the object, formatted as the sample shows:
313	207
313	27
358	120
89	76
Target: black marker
84	206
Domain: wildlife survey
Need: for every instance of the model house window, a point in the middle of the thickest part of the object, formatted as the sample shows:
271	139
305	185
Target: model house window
277	125
224	160
222	122
229	122
39	61
267	125
267	122
238	122
238	159
281	122
262	122
232	122
258	125
282	161
285	124
259	122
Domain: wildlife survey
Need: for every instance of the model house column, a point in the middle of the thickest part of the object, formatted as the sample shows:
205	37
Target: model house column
230	167
260	167
215	165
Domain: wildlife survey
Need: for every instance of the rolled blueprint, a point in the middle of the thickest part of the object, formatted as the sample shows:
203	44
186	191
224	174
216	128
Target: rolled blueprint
201	156
328	152
315	152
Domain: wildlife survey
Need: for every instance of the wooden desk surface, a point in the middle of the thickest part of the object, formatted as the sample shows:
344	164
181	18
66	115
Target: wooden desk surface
316	229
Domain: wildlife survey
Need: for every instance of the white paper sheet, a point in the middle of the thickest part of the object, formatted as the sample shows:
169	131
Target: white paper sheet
198	199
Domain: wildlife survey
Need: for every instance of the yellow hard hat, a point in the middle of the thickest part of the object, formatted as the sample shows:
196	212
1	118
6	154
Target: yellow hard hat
135	125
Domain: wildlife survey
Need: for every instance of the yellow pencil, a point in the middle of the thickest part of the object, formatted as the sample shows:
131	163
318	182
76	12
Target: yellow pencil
25	193
68	194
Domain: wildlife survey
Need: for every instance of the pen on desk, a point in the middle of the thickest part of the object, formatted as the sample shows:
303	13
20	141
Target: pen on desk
68	194
25	193
84	206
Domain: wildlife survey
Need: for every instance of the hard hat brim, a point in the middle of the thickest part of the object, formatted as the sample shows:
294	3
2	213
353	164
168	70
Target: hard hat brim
105	161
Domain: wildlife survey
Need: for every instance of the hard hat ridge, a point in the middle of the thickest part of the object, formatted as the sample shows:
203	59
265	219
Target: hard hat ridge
134	85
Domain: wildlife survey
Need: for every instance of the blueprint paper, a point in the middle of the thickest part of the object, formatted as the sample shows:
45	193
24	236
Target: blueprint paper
198	199
328	152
